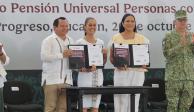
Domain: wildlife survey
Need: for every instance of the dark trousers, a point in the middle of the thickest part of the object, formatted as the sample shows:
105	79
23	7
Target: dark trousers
1	100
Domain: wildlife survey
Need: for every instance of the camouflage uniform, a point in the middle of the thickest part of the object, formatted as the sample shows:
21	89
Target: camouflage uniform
179	74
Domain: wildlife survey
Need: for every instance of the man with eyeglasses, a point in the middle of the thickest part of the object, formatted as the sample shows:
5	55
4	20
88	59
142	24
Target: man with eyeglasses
178	47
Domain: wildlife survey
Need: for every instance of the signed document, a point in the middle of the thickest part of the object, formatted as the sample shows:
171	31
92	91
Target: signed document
78	58
141	54
95	55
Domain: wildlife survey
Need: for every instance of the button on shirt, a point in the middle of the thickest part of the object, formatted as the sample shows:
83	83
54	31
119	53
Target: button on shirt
55	67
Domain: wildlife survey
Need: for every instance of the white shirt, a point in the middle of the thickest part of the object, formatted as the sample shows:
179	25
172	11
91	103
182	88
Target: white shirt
85	78
3	73
55	66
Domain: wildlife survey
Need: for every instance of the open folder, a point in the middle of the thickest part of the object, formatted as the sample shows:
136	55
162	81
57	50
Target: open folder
86	56
131	55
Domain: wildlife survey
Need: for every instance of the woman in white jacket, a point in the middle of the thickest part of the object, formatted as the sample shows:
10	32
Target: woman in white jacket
4	60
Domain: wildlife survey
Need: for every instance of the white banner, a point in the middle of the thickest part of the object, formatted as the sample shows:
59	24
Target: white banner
24	24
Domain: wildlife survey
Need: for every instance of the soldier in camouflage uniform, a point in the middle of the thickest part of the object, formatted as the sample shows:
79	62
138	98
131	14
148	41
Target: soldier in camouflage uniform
179	75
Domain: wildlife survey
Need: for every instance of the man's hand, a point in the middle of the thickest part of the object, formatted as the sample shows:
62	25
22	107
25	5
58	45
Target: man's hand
67	53
183	41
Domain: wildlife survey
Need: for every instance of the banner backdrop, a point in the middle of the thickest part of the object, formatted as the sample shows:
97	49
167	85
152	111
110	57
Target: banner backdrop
24	24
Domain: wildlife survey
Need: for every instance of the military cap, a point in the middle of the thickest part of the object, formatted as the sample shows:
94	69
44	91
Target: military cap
180	14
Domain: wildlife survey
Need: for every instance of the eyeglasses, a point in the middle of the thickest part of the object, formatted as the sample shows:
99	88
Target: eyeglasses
182	19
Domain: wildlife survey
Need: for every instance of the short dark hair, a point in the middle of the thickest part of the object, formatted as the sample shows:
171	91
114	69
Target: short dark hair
121	28
56	21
